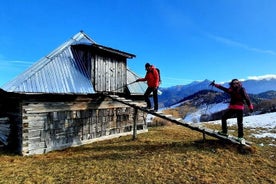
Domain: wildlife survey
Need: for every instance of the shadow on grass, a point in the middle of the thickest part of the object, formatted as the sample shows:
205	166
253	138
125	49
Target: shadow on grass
222	144
128	148
138	149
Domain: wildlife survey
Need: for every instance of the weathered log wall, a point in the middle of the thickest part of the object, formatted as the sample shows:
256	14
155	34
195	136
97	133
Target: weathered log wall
49	126
11	122
4	130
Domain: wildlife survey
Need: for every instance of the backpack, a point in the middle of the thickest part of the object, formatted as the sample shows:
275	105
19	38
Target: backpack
158	71
158	74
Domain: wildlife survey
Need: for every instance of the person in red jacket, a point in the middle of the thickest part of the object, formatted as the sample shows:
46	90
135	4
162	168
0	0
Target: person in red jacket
238	96
152	78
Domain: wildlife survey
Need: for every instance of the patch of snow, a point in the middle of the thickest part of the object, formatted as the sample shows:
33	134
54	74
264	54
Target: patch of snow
194	117
265	121
264	135
217	107
255	121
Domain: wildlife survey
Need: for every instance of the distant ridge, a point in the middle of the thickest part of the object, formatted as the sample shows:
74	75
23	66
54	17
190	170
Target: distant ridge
174	94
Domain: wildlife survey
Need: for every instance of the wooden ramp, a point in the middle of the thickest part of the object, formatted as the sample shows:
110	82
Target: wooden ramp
205	131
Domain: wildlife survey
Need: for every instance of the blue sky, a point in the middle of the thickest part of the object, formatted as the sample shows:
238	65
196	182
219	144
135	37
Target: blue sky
187	39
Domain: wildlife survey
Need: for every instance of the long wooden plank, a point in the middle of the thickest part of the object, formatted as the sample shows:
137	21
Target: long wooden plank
178	121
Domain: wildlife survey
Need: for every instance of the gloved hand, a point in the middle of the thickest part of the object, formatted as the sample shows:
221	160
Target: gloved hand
251	110
212	83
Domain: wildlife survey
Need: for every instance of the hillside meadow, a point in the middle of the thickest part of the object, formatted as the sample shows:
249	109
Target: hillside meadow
165	154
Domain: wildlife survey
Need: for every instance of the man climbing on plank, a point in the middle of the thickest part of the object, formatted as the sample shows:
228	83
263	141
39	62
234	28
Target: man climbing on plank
238	96
152	78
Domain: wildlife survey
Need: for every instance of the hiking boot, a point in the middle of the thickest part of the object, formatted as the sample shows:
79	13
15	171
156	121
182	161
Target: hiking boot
147	108
241	140
152	110
223	133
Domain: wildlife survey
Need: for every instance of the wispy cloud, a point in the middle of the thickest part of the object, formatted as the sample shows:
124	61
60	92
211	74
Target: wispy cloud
268	76
240	45
4	63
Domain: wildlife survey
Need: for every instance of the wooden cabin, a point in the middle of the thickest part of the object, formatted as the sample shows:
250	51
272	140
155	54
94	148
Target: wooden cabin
58	102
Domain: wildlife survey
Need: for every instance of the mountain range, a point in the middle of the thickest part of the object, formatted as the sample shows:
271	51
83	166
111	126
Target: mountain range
175	94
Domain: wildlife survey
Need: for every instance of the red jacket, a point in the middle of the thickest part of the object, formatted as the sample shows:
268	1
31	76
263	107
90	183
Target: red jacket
152	77
238	96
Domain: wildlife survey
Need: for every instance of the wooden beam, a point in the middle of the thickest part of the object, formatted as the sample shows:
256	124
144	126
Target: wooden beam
205	131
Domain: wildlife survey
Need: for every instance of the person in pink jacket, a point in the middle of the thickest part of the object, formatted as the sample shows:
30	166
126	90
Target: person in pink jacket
236	107
152	78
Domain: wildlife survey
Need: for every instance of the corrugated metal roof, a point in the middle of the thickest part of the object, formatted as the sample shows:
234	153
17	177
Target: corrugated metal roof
137	88
58	72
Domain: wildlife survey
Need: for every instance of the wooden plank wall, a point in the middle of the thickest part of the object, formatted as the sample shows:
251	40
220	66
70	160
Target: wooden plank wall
109	73
49	126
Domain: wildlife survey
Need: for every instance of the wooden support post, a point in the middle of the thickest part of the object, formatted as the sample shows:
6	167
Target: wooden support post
135	117
204	135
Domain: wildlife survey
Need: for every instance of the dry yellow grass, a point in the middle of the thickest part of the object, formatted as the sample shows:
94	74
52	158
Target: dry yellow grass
169	154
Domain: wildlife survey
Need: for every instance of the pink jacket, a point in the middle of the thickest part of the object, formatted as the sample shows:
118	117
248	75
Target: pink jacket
238	96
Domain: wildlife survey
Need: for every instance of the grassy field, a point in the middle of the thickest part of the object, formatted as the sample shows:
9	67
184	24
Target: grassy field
167	154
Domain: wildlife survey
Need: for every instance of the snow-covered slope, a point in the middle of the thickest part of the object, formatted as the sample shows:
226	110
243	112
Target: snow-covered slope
267	122
204	109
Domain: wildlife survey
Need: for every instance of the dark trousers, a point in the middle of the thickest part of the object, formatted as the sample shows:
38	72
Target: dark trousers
155	97
229	114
